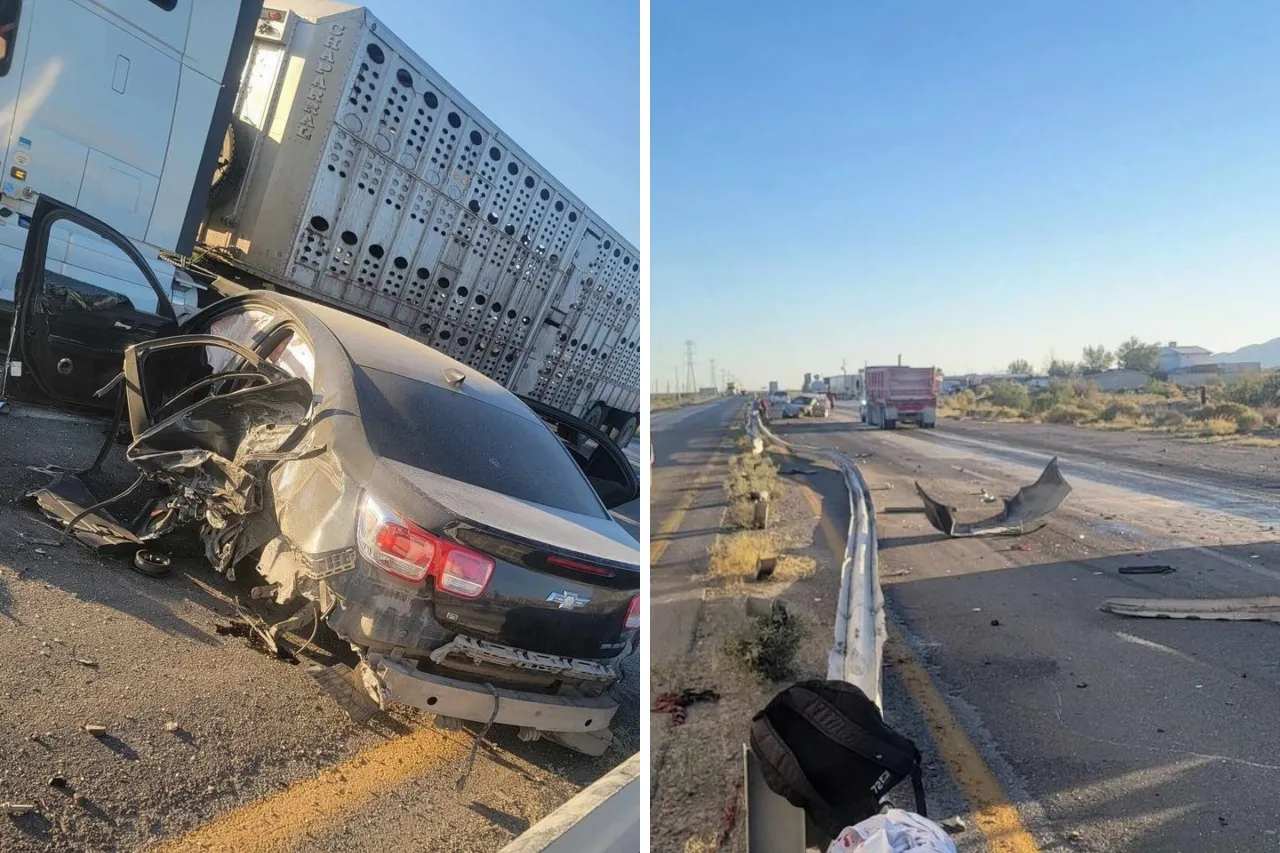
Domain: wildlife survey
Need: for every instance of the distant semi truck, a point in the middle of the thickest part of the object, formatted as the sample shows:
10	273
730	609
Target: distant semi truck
773	387
845	387
901	395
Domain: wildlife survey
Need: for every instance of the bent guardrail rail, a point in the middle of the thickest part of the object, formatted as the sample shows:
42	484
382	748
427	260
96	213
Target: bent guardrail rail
857	650
604	817
859	634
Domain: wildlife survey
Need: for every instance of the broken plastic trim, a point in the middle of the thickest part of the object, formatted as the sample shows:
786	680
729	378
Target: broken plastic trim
1265	608
1030	503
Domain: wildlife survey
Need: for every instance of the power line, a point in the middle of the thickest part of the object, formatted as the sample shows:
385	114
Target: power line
690	377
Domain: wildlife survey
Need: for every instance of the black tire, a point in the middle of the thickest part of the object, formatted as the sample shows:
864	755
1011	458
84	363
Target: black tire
627	431
597	416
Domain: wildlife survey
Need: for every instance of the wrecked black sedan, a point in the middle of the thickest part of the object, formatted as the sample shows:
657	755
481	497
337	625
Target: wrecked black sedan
458	539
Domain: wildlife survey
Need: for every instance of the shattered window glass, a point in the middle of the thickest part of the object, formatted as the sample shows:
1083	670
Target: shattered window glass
294	356
247	328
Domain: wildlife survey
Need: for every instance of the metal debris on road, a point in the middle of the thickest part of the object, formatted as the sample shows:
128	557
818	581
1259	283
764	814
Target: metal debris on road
1147	570
676	704
1265	608
171	727
92	664
954	825
95	729
17	809
1030	503
57	781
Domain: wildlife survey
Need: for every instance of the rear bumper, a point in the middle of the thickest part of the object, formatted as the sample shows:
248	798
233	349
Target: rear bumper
402	682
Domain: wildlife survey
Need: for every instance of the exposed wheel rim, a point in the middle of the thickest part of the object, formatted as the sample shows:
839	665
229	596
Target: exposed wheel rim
595	417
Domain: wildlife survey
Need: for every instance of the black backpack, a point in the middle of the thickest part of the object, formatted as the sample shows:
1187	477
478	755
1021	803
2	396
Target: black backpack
824	746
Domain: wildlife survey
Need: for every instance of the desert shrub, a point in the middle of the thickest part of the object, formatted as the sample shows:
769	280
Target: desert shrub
1086	389
1270	415
1168	419
1250	421
767	646
1120	410
1160	388
1220	411
1262	389
1216	426
1066	415
1009	395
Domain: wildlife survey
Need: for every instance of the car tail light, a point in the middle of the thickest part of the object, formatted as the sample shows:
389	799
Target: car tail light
633	614
402	548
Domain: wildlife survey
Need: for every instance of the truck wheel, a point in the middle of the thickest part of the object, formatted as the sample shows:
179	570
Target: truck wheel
889	424
628	430
596	416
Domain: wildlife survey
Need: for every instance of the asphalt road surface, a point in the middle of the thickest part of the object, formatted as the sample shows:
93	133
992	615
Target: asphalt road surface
1065	727
210	744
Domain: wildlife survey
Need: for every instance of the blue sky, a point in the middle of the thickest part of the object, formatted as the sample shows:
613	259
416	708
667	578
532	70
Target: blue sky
961	183
562	79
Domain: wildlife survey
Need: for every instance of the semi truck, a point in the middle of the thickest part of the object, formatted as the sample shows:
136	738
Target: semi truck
845	386
301	146
900	394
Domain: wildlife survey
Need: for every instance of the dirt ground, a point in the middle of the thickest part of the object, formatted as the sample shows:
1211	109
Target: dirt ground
1235	463
696	794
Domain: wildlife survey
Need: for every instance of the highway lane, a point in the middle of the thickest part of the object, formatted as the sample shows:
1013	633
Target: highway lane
1105	733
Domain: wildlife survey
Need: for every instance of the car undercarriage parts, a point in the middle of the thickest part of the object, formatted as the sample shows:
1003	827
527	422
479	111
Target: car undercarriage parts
1030	504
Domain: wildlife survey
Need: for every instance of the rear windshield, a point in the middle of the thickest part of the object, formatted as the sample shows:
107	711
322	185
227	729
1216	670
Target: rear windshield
455	436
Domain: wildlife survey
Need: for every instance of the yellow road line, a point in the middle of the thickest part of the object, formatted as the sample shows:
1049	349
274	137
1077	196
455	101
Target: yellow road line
276	823
996	818
660	539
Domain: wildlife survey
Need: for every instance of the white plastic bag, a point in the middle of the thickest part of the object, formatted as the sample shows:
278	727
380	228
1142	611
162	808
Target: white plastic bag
895	831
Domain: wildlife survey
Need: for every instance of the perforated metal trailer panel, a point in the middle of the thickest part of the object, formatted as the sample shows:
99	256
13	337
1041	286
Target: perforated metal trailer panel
373	185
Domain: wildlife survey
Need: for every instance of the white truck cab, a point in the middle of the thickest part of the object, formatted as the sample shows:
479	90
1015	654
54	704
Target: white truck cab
118	107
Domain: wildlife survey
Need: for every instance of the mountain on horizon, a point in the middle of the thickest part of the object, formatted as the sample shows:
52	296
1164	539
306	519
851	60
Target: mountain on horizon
1267	353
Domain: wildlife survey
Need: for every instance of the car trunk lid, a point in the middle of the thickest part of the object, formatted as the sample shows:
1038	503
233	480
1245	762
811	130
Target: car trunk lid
562	582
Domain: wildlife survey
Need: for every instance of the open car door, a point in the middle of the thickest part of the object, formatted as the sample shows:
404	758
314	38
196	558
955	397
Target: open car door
84	294
612	476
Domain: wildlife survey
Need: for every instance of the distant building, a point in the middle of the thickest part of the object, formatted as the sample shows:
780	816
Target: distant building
1174	357
1113	381
1204	374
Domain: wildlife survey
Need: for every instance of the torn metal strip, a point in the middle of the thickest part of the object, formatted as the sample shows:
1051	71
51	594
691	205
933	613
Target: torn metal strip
1264	608
1030	504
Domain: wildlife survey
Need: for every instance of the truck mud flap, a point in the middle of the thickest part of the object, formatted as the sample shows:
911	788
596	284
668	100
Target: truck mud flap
1030	504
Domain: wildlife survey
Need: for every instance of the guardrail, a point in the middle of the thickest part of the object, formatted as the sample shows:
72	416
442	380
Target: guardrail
857	650
604	817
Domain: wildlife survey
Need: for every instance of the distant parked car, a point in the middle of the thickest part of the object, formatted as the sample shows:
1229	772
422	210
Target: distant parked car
805	406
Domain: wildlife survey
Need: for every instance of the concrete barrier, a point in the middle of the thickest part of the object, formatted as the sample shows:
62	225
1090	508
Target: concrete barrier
603	818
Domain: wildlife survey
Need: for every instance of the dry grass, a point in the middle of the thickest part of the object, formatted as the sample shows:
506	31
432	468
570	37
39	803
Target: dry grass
737	556
701	844
1215	426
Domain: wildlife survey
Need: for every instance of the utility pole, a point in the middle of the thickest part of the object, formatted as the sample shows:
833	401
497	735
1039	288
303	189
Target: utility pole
691	378
677	383
713	374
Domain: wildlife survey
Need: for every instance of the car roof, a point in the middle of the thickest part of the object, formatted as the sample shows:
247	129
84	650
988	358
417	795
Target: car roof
379	348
